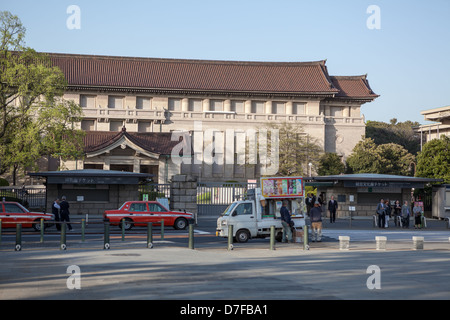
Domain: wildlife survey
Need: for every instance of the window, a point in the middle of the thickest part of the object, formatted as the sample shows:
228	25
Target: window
257	107
244	208
143	103
174	104
154	207
115	126
237	106
13	208
138	207
195	105
115	102
88	125
87	101
144	126
298	108
216	105
278	108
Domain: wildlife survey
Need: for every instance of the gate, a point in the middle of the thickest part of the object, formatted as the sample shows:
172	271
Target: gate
214	197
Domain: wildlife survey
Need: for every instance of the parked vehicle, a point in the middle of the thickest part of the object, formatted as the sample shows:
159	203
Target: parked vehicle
13	213
253	217
139	213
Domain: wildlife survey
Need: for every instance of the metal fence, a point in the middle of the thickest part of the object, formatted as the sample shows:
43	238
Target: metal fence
30	197
154	191
214	197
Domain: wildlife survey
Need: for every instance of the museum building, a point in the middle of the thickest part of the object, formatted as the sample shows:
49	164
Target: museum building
132	107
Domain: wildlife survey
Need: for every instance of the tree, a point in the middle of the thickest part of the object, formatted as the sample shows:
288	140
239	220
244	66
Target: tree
296	149
35	120
434	159
401	133
330	164
389	158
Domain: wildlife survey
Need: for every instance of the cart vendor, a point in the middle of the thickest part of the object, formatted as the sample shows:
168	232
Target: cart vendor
286	222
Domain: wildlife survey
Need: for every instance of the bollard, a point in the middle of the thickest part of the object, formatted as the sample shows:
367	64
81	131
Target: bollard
191	236
149	235
381	242
418	243
344	242
123	229
42	230
230	237
83	229
18	237
272	237
106	244
305	238
162	229
63	245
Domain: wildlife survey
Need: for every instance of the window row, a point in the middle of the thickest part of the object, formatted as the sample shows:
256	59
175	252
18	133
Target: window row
199	105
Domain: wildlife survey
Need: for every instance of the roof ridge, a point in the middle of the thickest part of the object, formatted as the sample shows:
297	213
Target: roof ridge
193	61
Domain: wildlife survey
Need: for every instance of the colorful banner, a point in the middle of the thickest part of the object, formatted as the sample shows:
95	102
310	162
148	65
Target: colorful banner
282	187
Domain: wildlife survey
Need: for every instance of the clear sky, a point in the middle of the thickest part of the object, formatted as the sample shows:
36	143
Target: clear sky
406	59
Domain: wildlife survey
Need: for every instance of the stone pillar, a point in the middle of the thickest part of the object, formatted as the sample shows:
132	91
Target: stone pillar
183	193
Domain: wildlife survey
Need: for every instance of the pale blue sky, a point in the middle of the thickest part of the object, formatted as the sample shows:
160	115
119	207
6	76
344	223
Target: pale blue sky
407	60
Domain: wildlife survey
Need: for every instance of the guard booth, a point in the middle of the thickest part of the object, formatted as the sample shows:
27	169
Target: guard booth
91	191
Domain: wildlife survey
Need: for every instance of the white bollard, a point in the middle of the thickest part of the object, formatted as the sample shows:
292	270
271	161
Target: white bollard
344	242
381	242
418	243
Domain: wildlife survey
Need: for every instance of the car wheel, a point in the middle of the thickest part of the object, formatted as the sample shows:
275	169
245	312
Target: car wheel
37	225
180	224
128	224
242	236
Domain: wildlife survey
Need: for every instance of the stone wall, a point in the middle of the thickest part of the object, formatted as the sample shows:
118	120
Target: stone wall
183	193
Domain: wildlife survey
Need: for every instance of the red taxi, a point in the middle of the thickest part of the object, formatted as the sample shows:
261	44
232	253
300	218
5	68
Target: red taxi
139	213
13	213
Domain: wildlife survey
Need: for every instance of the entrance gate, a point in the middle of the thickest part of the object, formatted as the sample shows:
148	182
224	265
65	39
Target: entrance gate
214	197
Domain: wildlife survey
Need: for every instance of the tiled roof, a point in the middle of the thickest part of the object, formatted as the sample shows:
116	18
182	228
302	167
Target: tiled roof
154	142
353	87
195	75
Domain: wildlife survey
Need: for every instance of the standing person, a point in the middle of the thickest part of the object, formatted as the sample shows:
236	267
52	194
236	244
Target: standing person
405	215
56	212
332	207
308	202
65	212
417	211
397	212
316	222
381	211
286	222
388	211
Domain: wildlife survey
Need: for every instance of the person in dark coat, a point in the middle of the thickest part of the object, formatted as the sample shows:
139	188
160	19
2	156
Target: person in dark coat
56	212
332	207
65	212
286	222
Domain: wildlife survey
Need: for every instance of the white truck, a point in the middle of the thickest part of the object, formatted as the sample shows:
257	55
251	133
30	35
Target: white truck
253	218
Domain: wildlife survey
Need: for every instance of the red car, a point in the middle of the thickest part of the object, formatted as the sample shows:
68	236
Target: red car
139	213
13	213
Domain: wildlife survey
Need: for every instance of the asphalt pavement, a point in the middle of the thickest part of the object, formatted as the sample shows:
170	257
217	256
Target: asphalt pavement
250	272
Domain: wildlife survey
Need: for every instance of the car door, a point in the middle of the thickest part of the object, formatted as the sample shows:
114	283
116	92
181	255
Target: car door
158	213
6	218
244	217
138	212
17	214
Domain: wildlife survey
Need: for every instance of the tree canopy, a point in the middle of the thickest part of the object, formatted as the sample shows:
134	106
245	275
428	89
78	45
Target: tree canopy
389	158
35	120
434	159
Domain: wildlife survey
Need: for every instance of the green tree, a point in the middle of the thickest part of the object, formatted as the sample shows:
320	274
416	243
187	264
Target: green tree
296	149
330	164
389	158
401	133
434	159
35	120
